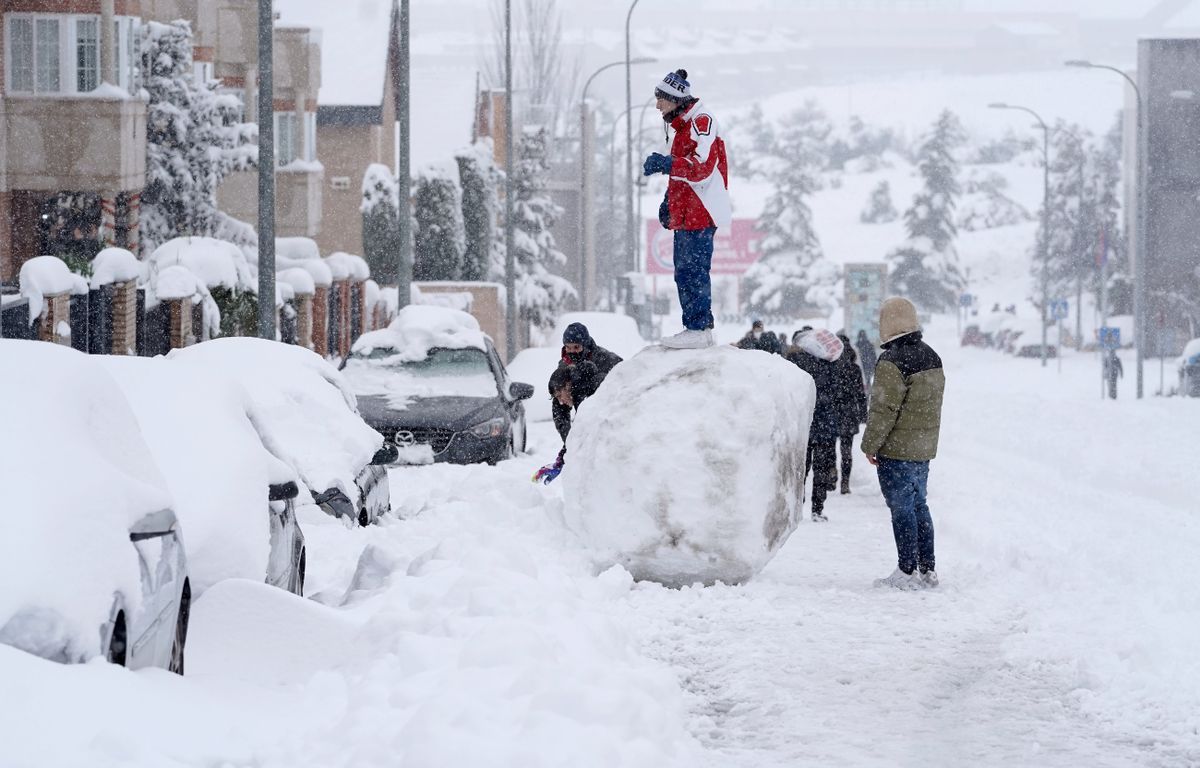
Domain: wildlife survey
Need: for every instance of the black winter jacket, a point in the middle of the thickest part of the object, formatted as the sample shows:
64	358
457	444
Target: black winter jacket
849	393
826	416
587	380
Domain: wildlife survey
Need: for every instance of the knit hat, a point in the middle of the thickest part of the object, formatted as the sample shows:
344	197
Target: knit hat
576	333
674	87
897	317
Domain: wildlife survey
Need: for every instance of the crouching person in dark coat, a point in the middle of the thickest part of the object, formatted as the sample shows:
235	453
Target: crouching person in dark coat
570	385
578	347
814	354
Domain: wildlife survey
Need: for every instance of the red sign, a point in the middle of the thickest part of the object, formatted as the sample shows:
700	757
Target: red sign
734	250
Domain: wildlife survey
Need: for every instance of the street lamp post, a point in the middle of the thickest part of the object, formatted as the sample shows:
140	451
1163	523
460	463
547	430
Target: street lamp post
1139	264
266	172
629	230
1045	239
585	172
510	267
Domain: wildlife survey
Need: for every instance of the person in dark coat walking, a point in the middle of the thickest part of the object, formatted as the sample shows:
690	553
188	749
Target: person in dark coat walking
570	386
851	397
1112	371
753	339
867	356
578	347
814	354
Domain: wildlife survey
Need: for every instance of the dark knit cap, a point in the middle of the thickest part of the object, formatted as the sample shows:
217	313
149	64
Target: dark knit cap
576	333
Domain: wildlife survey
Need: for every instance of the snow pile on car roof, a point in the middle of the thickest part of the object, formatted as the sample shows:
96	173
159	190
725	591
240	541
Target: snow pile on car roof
195	421
303	409
76	476
418	329
689	466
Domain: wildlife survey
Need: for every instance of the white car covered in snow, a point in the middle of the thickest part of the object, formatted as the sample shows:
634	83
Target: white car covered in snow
92	561
307	417
234	498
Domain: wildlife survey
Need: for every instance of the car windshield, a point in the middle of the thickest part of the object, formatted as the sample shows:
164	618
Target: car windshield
439	363
443	373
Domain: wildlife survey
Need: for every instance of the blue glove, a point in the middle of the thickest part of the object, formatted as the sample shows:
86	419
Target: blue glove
664	213
546	474
656	163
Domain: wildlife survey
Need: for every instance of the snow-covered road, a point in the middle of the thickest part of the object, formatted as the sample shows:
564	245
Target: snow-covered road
475	632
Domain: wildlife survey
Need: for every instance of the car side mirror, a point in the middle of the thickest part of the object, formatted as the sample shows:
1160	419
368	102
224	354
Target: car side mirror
388	454
282	491
520	391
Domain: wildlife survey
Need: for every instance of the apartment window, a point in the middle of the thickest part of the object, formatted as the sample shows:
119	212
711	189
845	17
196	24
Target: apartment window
20	61
310	133
46	56
202	72
33	54
87	55
285	138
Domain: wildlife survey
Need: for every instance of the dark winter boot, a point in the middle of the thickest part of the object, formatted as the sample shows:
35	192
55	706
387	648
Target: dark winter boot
845	485
818	516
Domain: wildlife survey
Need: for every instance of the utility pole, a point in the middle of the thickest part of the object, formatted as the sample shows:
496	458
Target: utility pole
630	232
510	270
404	161
266	171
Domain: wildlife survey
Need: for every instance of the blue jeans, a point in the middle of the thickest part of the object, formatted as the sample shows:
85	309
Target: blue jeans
903	484
693	259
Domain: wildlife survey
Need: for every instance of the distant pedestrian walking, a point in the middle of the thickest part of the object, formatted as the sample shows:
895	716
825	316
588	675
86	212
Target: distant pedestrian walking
903	424
1112	371
851	397
866	355
814	354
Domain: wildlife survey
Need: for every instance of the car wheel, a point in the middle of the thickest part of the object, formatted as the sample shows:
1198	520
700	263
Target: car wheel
303	568
363	518
181	628
118	643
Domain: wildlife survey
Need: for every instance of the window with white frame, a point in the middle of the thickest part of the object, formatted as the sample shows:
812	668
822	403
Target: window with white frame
60	53
285	138
310	133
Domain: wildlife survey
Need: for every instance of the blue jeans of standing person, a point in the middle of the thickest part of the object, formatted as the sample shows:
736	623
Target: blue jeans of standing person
693	259
904	488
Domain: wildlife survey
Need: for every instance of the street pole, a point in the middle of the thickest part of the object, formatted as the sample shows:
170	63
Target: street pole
404	163
629	218
1140	176
586	219
1044	245
266	171
510	271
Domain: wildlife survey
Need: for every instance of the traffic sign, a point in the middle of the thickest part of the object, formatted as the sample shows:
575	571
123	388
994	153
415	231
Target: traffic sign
1059	309
1110	337
966	300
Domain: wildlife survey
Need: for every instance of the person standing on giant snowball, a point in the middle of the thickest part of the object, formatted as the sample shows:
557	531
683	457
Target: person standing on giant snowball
696	204
904	420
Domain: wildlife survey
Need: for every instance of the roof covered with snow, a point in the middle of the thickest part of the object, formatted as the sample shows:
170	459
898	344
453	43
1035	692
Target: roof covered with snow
354	46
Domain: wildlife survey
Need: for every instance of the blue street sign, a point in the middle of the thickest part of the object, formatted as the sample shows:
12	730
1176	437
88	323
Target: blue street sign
1110	338
1059	309
966	300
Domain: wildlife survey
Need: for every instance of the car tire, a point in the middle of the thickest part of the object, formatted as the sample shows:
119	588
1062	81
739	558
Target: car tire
179	643
119	642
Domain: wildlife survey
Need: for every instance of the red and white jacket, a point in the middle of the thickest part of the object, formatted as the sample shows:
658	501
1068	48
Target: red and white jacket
698	192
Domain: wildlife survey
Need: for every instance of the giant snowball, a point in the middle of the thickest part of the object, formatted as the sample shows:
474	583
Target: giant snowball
688	465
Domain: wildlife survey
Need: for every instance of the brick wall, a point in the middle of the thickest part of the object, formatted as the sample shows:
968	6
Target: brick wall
55	309
320	321
181	322
124	318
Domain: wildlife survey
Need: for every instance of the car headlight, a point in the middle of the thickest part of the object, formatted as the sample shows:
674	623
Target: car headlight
490	428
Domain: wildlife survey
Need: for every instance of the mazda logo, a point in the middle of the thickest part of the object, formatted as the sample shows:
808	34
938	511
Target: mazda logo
404	439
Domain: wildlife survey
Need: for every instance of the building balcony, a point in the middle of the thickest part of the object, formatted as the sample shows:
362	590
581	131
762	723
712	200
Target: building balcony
75	143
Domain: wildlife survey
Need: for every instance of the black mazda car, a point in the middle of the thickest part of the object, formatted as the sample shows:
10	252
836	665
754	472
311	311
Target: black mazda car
453	405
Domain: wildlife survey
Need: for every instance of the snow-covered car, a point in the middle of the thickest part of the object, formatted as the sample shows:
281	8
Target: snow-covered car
92	559
308	418
434	386
1189	369
235	499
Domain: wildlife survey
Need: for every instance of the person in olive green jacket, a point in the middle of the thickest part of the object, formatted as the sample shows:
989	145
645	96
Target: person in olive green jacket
903	423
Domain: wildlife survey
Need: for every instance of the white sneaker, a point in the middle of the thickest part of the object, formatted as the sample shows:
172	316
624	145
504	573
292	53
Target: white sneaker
901	580
929	578
689	340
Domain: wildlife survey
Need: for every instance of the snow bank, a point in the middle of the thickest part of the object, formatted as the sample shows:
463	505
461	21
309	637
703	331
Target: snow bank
44	276
76	476
216	263
615	332
194	420
418	329
115	265
299	279
709	494
302	408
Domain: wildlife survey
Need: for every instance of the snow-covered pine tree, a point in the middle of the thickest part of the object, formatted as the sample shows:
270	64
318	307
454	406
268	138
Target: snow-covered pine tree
986	205
541	295
480	203
879	208
1107	236
792	277
925	269
440	240
381	223
1068	218
194	139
